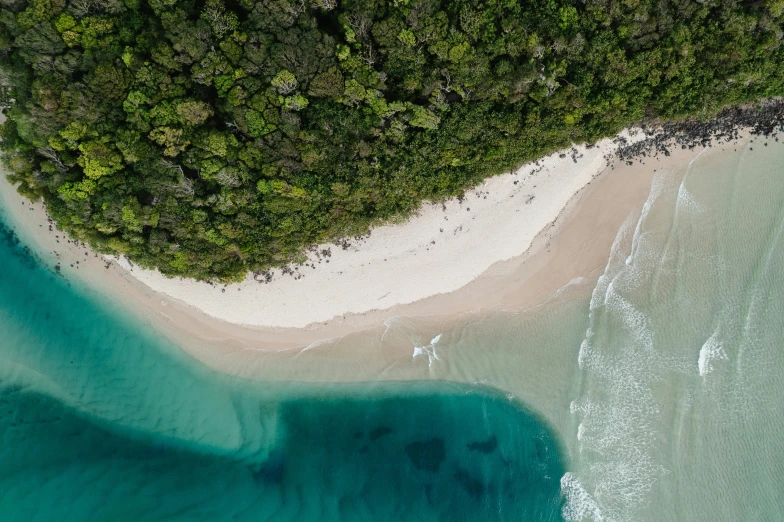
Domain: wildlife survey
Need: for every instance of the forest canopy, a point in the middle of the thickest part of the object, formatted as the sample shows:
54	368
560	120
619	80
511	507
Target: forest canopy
211	138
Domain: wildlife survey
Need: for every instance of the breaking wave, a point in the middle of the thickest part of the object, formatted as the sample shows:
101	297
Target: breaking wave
617	409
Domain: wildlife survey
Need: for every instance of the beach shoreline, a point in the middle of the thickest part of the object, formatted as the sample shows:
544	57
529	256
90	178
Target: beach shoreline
442	248
484	290
571	247
293	303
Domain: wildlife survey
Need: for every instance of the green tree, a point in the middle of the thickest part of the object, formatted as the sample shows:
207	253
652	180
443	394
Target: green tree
211	138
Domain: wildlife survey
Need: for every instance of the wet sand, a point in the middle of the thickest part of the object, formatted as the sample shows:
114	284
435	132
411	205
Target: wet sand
573	246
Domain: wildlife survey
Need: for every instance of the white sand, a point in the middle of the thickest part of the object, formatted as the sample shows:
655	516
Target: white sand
438	251
572	246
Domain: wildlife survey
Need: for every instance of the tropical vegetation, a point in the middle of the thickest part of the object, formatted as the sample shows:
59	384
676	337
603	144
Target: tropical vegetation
209	138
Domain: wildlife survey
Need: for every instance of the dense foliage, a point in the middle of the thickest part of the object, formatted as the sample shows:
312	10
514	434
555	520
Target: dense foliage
209	138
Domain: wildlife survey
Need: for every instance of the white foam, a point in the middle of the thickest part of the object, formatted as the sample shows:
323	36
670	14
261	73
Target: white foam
403	327
697	156
615	251
572	282
658	188
578	504
617	410
711	351
389	322
686	199
635	321
429	350
315	344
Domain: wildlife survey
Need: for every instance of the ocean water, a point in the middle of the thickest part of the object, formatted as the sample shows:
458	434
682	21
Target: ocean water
102	418
681	399
664	378
655	393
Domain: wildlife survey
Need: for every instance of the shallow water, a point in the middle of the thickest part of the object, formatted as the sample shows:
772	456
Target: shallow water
664	379
681	401
653	394
103	419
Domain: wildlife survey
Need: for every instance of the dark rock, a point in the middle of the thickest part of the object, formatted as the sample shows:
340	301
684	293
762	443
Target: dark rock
761	119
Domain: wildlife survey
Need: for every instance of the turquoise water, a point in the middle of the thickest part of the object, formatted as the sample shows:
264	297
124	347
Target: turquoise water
655	393
102	419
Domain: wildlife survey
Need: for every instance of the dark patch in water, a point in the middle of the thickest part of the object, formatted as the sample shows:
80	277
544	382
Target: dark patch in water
146	436
16	247
427	455
486	446
380	432
271	472
429	494
475	488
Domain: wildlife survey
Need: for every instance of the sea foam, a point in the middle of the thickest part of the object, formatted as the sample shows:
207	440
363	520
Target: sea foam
711	351
429	350
616	409
578	504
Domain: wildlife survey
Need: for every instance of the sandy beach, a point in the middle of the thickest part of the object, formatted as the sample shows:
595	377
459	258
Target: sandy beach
511	253
442	248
